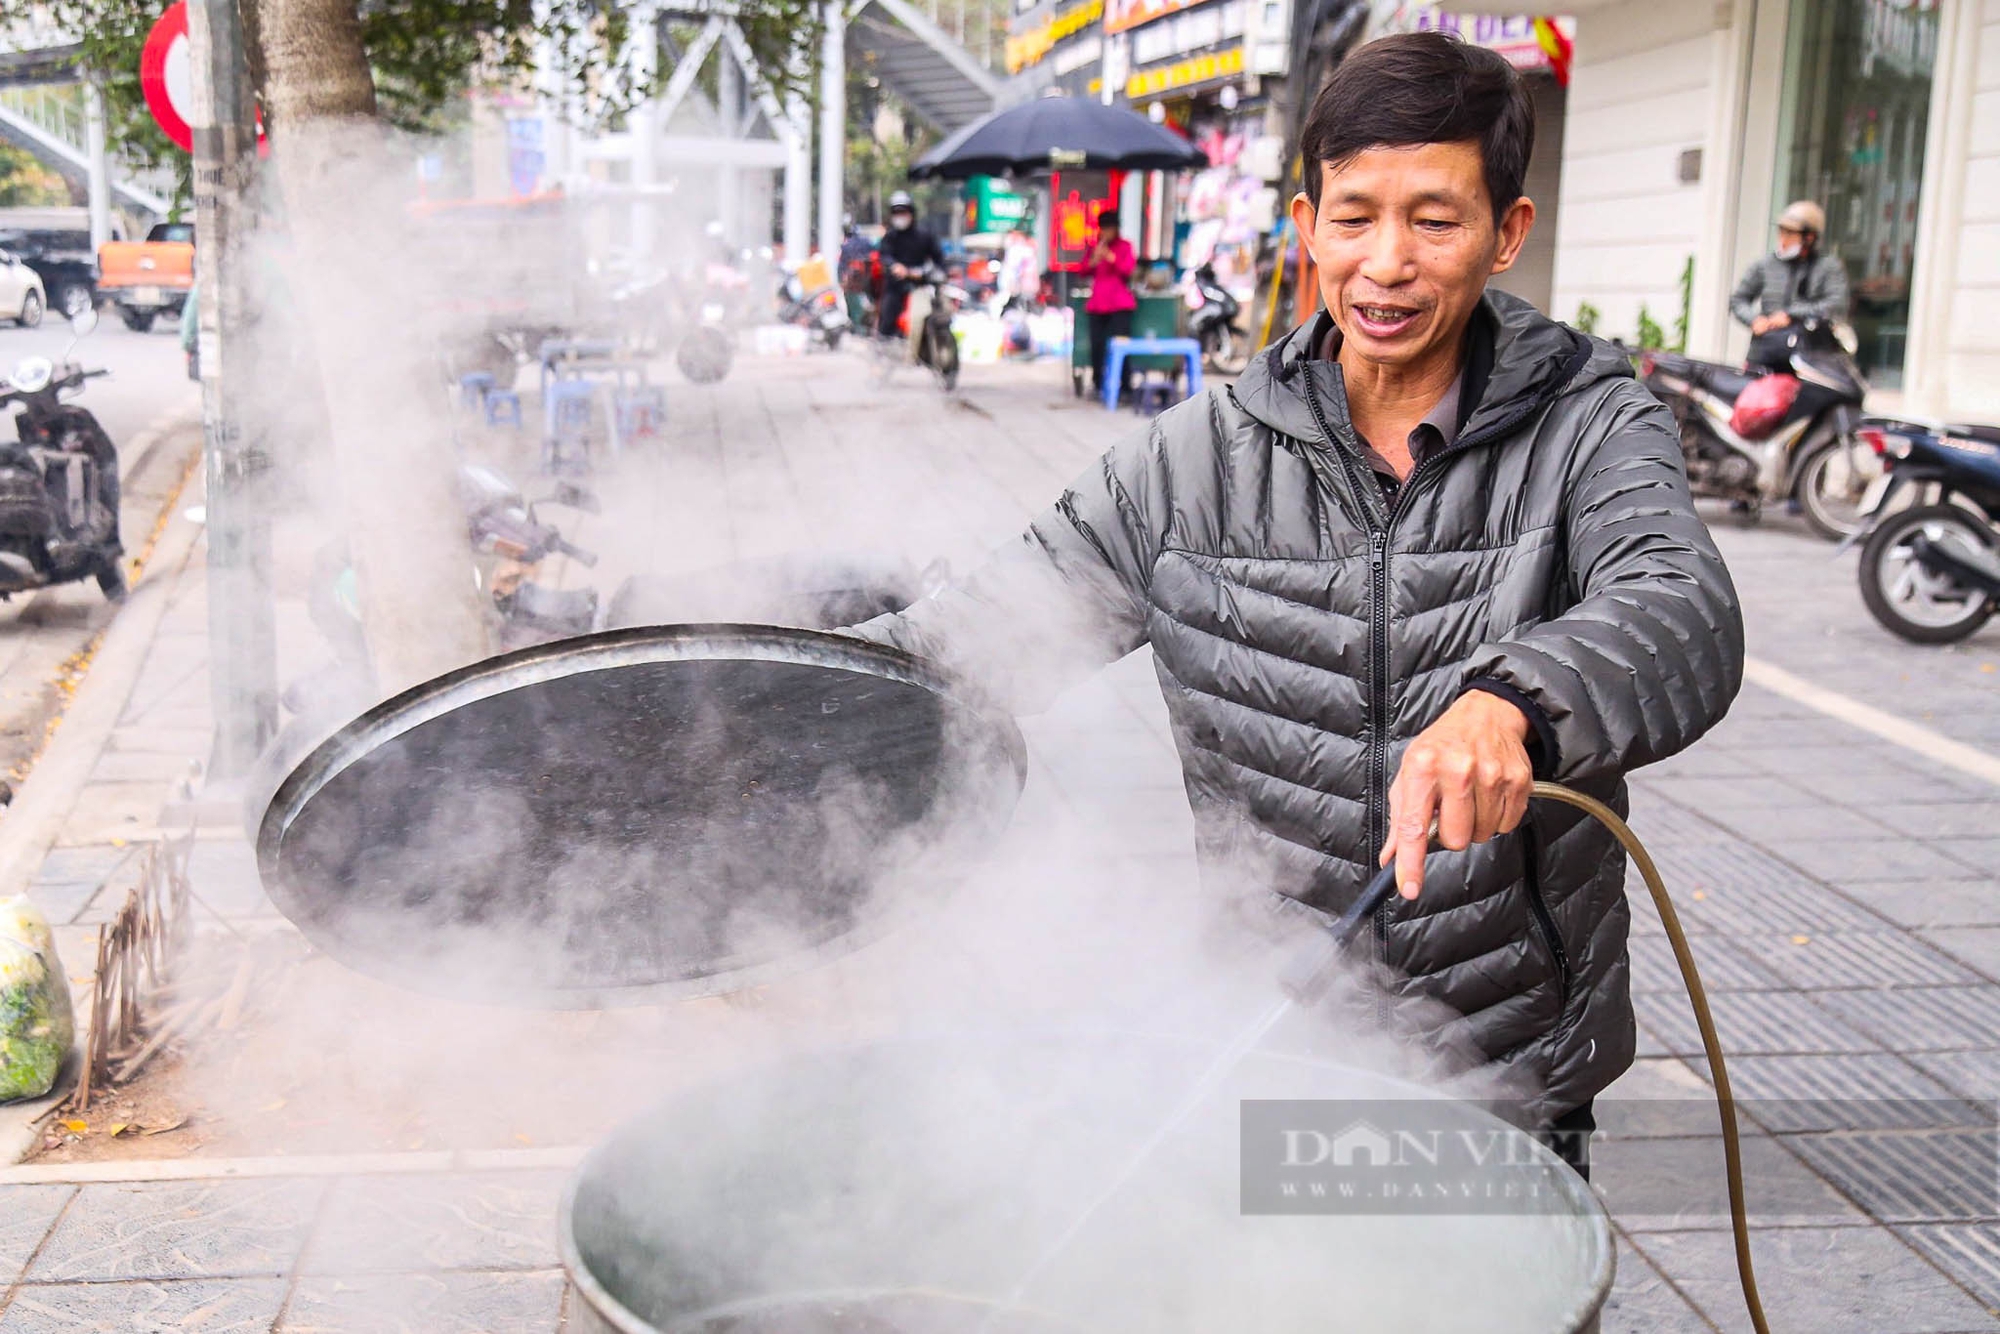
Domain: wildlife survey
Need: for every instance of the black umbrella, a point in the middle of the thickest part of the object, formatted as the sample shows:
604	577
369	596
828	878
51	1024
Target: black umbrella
1058	134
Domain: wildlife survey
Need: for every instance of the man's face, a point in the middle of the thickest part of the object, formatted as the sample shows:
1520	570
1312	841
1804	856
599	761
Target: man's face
1405	240
901	219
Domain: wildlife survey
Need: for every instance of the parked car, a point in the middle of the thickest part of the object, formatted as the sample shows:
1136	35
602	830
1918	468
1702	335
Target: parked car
63	260
55	242
150	278
21	296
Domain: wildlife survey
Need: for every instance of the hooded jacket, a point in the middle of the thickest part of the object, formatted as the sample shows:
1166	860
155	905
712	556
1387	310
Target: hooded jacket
1305	628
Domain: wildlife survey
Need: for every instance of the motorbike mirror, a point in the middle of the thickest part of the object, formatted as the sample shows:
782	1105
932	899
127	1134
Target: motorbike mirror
83	321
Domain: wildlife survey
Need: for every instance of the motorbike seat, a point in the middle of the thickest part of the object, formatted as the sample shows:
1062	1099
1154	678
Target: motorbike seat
1725	381
1988	434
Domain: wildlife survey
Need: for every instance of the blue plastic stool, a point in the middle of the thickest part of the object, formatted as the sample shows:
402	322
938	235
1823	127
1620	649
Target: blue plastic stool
1115	352
641	410
566	413
503	408
1155	394
473	389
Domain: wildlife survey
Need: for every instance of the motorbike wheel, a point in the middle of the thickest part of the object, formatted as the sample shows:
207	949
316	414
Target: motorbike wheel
1226	352
138	321
944	359
111	580
832	337
31	310
1911	601
1830	487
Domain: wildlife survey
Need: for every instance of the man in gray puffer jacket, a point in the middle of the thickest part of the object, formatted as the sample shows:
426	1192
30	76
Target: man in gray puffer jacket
1427	544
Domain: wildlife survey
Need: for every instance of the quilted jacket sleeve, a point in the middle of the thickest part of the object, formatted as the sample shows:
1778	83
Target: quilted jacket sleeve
1649	654
1065	598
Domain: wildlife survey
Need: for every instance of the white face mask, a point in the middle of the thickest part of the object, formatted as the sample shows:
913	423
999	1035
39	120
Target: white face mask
1791	250
901	221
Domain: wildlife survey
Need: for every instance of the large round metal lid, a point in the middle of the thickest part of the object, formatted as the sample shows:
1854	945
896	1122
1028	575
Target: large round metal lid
671	809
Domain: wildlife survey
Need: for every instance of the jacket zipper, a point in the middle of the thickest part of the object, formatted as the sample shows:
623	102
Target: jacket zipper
1378	637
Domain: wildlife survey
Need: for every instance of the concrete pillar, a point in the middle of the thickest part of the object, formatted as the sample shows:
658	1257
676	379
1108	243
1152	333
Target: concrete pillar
832	128
644	124
729	181
798	179
100	166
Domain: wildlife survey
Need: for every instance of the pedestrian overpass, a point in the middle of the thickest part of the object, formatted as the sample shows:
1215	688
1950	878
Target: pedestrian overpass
47	109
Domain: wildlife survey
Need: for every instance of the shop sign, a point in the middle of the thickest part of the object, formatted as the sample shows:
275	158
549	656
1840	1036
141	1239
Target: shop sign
991	207
1033	44
1185	73
1210	25
1122	14
1513	36
1075	200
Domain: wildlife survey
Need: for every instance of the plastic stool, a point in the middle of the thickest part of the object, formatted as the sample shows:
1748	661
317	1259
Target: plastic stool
566	413
503	408
473	388
1155	394
641	410
1115	352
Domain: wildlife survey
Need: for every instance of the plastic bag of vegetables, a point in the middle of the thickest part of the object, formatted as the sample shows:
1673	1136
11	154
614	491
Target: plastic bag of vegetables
35	1022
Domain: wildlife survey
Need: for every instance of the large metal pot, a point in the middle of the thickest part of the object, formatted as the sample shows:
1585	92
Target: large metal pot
922	1186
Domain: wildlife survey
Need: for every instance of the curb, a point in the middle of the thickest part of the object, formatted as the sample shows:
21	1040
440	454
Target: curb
45	798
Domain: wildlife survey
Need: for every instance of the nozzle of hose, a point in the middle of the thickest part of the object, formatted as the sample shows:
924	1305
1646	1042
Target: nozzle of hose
1310	971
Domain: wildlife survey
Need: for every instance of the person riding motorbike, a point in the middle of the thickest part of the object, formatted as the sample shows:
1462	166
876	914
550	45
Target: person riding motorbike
906	250
855	250
1797	282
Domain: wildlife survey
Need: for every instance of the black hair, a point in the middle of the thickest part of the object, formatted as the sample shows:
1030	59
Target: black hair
1109	213
1423	88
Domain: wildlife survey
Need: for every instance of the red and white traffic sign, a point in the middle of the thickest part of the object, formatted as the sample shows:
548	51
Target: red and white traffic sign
164	75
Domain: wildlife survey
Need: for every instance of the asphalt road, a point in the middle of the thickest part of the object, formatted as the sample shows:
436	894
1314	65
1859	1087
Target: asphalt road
42	633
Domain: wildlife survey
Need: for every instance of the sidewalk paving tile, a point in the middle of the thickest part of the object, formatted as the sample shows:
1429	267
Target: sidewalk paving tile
1912	1019
1737	792
186	1306
1938	1177
179	1229
1867	1091
1978	946
1820	962
1970	1074
1969	1253
1926	903
1757	1023
1671	1184
457	1302
1724	965
1825	1280
1657	1096
26	1212
491	1220
1820	821
1787	902
1973	818
1889	858
1643	1302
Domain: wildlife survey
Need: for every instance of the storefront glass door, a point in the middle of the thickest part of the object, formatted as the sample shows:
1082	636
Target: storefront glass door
1851	136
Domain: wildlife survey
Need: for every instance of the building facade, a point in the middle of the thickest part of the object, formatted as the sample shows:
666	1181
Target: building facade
1689	125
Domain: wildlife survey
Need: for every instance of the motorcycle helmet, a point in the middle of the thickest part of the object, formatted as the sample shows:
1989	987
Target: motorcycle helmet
901	200
1803	216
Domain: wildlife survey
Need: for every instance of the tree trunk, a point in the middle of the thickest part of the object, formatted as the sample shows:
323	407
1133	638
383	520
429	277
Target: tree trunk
354	267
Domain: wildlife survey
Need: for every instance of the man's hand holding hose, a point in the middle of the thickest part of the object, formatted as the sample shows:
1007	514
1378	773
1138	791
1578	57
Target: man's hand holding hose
1467	775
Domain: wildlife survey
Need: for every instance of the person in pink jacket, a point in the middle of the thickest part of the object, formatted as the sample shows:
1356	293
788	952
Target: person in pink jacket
1111	302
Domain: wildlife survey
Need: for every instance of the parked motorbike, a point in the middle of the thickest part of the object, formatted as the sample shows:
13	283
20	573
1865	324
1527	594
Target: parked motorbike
808	296
58	480
1803	449
1930	571
1225	349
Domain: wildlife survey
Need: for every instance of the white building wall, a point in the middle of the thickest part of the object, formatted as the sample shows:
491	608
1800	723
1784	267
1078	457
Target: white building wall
1971	381
1641	93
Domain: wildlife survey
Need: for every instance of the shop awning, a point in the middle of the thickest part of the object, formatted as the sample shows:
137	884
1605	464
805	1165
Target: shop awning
943	83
